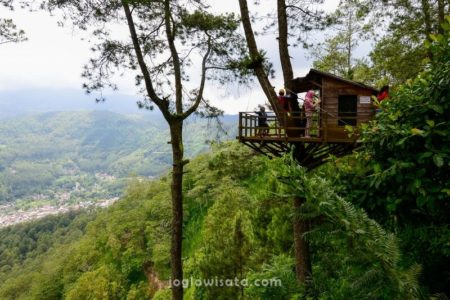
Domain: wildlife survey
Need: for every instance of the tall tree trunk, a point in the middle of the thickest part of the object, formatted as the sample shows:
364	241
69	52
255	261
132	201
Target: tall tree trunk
283	44
300	226
303	269
176	132
441	15
303	263
427	22
349	46
255	55
303	266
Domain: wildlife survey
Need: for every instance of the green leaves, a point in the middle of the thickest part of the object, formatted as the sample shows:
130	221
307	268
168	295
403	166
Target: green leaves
208	22
349	246
438	160
404	181
430	123
416	131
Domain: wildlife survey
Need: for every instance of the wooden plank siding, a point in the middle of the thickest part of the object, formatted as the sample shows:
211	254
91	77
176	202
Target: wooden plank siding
331	90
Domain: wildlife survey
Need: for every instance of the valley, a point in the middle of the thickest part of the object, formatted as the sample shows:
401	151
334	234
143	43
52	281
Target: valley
85	159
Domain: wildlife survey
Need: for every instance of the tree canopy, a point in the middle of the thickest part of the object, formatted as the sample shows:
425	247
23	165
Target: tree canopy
9	33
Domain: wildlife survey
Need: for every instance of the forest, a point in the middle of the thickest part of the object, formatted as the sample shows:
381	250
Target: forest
371	224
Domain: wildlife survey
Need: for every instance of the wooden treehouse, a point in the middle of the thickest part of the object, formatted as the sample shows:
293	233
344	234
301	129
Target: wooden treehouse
342	102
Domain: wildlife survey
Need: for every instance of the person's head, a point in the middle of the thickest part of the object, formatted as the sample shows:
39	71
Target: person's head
281	92
384	88
310	94
262	108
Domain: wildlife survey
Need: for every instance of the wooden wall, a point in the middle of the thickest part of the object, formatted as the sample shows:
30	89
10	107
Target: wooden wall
331	89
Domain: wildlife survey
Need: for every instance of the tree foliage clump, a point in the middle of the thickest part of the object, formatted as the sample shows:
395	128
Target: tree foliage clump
399	55
353	256
408	140
337	54
9	33
168	41
401	176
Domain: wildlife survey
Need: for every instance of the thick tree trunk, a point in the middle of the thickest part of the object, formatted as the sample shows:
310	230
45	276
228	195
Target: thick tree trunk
176	132
303	263
303	266
283	44
441	15
427	22
349	47
301	247
285	59
254	54
303	269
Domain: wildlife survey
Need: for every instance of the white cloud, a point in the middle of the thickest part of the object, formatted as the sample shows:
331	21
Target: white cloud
53	59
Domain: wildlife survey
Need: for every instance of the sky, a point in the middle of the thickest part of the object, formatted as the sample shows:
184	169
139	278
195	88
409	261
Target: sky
51	62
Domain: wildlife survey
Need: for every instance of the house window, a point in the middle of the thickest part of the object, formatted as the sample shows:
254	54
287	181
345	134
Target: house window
347	110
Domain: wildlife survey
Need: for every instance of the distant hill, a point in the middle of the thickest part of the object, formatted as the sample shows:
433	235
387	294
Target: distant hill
71	157
35	101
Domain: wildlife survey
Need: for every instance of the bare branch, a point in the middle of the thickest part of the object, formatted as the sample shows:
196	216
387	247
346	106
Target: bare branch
202	83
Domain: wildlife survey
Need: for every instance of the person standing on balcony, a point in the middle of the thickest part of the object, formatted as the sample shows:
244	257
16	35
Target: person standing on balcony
283	101
309	110
292	99
383	95
263	127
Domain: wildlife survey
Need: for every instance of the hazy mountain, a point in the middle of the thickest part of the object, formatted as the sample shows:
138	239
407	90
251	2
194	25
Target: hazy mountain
32	101
70	157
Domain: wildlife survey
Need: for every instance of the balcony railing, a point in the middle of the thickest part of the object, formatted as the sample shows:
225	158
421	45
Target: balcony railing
292	126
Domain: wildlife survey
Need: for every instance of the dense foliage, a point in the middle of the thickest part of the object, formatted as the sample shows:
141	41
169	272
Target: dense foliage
401	176
237	225
398	31
380	217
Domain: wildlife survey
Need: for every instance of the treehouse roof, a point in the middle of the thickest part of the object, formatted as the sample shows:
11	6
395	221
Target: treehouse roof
313	80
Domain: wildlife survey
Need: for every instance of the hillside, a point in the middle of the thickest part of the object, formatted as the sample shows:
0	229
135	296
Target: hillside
65	158
122	252
379	220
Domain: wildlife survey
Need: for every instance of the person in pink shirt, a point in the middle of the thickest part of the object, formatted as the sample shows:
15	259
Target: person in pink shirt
309	109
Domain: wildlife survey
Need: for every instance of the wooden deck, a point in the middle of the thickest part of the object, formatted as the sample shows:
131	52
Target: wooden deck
342	103
292	127
288	135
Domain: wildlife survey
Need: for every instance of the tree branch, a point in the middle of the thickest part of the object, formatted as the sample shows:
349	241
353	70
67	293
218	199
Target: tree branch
202	82
264	81
308	13
175	59
163	105
283	46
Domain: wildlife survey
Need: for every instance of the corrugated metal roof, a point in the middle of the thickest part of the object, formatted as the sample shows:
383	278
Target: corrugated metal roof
303	84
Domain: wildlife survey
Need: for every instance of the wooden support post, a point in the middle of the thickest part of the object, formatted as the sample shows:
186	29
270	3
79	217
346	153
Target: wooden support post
303	269
240	125
245	125
303	266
